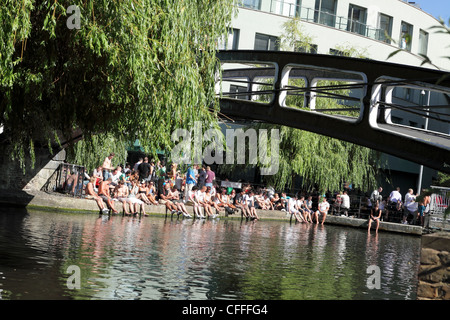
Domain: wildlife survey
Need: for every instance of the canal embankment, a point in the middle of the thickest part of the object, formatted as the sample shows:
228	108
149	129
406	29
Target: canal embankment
434	270
56	201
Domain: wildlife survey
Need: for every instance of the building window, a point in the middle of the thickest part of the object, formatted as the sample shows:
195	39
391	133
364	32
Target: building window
406	36
266	42
231	42
396	120
251	4
423	42
312	48
325	12
413	124
357	17
335	52
385	28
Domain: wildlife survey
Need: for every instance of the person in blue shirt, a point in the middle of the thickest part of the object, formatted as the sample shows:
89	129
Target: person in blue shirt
190	180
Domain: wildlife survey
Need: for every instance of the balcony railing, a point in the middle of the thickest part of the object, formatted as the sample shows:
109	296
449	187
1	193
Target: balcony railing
292	10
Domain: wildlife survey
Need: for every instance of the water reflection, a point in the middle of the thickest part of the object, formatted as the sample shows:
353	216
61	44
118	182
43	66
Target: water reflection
157	258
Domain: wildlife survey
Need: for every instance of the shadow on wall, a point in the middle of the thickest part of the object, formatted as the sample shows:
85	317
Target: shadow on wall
17	187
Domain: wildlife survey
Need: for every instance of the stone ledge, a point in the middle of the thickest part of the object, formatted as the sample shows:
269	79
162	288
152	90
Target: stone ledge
40	199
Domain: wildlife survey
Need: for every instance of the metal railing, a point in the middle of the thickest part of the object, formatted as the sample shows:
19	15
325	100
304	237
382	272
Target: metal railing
292	10
68	179
440	201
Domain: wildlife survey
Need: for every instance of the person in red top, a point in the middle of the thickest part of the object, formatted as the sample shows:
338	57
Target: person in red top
210	177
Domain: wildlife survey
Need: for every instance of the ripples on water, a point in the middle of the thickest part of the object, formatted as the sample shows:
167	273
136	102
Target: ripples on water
157	258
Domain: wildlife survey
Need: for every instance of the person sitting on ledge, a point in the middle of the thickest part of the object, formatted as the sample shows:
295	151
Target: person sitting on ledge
193	200
138	203
165	199
375	215
175	198
90	194
104	193
151	192
323	208
121	193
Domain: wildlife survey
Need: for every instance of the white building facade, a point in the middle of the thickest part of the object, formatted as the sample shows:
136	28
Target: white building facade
377	27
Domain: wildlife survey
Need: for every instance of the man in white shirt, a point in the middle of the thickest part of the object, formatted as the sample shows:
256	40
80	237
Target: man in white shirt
411	206
345	206
395	196
323	208
116	175
293	209
376	197
249	199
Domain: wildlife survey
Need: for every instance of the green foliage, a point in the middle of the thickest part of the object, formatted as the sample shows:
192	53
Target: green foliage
349	50
92	151
323	163
134	69
294	37
443	180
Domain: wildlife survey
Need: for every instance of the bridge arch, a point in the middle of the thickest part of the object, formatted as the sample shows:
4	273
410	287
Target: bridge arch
366	117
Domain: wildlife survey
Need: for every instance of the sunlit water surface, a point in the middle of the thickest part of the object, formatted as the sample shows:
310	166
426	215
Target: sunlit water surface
157	258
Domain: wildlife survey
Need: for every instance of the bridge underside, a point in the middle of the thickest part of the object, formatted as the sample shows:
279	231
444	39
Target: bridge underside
295	90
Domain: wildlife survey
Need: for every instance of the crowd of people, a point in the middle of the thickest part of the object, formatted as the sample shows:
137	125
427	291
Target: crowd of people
150	183
411	211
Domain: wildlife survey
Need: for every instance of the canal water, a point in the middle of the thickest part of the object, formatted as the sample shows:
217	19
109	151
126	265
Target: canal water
59	255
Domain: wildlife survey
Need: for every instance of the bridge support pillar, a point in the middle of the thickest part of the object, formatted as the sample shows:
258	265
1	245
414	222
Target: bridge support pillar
13	178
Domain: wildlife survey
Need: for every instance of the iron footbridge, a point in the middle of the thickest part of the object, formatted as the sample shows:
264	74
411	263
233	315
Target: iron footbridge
396	109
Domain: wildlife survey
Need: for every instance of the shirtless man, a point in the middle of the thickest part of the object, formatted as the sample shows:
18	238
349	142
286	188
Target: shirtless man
103	192
90	194
121	193
165	199
107	166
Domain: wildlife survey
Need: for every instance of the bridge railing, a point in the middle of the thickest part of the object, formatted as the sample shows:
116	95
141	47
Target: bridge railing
67	179
440	201
411	104
306	88
357	100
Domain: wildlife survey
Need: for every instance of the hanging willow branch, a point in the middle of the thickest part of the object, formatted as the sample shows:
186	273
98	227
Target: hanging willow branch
134	69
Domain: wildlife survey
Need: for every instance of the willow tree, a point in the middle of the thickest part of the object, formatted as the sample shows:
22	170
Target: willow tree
129	69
